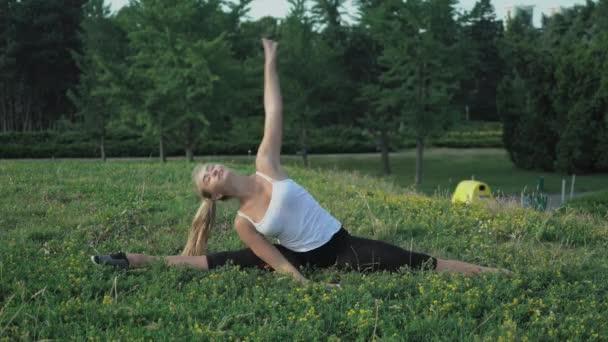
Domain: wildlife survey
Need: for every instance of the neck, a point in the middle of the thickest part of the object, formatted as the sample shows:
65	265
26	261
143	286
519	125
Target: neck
243	188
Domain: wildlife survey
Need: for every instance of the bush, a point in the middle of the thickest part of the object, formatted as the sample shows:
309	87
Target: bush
471	134
125	143
595	204
552	100
601	148
129	143
337	139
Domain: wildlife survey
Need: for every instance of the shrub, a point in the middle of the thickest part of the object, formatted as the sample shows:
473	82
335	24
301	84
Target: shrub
553	101
122	142
595	204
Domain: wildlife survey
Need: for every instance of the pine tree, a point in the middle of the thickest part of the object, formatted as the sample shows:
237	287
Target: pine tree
178	52
482	32
305	76
102	42
419	76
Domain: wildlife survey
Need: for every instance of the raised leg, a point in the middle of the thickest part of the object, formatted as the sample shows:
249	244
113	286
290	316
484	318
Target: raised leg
270	147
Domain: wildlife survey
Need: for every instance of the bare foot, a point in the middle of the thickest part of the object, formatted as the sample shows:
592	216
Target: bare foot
455	266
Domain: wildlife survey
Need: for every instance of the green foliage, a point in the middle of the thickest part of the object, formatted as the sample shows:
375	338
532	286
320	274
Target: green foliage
595	204
471	134
524	103
36	68
481	35
552	100
179	56
581	101
189	75
102	46
243	136
58	213
131	143
419	68
306	75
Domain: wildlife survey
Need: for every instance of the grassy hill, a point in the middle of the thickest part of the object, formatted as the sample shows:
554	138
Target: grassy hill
53	215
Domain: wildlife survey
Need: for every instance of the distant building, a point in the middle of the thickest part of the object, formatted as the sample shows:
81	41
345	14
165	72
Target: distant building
554	10
513	11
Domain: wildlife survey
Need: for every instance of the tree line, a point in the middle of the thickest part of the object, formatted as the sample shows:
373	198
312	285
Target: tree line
553	97
191	72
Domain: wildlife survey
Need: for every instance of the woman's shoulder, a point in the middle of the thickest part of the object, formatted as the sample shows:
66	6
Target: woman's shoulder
272	172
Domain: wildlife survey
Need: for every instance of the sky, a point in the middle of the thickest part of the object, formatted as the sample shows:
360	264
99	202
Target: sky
279	8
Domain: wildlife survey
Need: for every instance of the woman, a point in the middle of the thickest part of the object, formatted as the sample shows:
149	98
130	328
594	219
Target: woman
273	205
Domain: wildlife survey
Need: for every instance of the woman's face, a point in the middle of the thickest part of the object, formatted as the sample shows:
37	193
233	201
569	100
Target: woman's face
211	179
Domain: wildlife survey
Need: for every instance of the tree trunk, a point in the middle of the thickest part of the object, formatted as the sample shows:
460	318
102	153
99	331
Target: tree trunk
419	155
384	152
3	107
161	145
304	149
305	156
102	142
189	153
12	126
189	142
102	147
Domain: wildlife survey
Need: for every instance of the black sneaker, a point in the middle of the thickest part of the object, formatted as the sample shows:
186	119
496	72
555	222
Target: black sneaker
118	260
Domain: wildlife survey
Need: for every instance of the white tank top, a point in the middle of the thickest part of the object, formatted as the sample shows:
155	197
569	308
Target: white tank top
294	217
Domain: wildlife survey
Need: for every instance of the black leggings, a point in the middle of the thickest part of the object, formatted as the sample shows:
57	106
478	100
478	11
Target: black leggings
342	250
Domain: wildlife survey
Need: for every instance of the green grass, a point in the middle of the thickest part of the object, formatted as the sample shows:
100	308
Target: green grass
53	215
444	168
594	204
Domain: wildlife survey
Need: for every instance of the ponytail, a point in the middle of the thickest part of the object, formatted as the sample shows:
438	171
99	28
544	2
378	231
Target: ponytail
201	227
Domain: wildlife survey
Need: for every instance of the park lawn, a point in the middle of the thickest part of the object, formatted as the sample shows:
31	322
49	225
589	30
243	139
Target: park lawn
54	214
445	167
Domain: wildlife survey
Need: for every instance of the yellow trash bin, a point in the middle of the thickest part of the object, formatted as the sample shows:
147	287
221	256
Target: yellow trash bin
469	191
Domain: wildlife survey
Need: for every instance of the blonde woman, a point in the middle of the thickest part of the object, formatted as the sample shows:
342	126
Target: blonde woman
273	205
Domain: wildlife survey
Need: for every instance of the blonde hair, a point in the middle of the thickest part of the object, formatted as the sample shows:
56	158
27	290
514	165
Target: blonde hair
203	221
201	228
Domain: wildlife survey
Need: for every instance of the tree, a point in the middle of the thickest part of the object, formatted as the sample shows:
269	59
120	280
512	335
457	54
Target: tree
525	103
379	118
419	73
552	99
175	65
303	62
580	99
205	84
8	65
601	149
482	33
103	43
337	105
35	61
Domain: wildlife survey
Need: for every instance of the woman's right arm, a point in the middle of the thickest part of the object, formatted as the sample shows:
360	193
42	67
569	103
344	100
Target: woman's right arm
265	250
269	153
